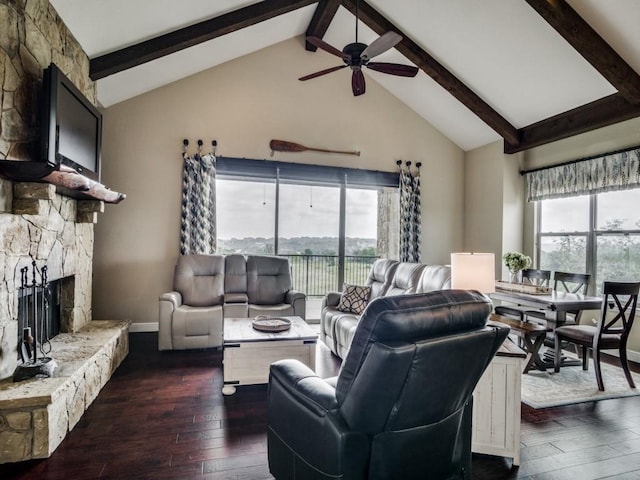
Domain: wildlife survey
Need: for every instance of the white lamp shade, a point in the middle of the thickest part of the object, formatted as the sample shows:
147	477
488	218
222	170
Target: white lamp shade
473	271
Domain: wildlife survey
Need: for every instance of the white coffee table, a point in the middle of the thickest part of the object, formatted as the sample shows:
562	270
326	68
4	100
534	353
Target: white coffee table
248	353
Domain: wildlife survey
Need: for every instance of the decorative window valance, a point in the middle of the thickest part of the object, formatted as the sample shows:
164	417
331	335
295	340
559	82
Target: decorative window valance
603	173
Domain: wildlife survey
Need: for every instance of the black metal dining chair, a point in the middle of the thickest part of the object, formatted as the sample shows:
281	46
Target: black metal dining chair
612	332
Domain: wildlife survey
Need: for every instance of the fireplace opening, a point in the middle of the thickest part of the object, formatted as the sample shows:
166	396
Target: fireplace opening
42	302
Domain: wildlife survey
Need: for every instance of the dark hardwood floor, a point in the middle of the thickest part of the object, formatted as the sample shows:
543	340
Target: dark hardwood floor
162	416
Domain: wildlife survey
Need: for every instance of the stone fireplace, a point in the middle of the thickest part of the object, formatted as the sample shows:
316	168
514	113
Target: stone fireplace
39	225
36	223
51	230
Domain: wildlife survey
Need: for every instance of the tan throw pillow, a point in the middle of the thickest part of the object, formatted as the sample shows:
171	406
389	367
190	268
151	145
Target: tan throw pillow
354	298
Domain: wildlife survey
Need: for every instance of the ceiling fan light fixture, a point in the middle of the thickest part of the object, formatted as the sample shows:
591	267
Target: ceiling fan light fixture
358	85
357	55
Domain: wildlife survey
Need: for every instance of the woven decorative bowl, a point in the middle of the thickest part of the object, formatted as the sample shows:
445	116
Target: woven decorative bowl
265	323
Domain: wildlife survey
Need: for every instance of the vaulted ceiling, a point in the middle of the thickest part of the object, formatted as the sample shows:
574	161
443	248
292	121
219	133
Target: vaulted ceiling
527	71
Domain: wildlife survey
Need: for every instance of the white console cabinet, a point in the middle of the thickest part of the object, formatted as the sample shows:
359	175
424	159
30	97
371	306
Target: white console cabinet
496	405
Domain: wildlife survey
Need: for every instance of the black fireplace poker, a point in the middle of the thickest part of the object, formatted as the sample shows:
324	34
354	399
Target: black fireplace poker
34	335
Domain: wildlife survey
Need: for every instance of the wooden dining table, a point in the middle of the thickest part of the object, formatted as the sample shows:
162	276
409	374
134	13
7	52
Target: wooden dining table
556	305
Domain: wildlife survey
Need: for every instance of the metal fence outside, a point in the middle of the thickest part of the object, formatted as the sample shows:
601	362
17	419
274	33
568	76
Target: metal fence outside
316	275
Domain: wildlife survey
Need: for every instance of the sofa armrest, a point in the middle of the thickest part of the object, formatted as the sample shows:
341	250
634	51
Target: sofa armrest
298	301
174	298
303	417
302	383
331	299
236	298
168	303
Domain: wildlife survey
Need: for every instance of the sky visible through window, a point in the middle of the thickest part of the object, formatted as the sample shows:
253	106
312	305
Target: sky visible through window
247	209
572	214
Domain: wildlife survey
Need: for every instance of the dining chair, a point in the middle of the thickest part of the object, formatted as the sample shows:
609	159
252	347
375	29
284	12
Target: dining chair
530	276
568	283
612	332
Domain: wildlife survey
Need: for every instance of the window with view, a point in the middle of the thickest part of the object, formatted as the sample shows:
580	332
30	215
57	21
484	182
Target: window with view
329	230
598	234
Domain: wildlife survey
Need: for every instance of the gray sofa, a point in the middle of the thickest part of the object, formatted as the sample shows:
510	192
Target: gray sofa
386	278
209	288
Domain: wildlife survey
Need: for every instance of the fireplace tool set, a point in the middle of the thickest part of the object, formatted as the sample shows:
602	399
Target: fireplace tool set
33	303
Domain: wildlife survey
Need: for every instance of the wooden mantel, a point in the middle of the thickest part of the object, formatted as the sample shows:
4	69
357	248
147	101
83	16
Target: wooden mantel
67	180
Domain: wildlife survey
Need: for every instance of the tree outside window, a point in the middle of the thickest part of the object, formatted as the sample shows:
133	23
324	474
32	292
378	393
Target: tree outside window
597	234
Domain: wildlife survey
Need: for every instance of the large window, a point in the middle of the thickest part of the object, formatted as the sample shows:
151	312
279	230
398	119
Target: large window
598	234
327	227
245	216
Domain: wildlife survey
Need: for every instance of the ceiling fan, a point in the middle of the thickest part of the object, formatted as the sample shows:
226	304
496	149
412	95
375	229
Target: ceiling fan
357	55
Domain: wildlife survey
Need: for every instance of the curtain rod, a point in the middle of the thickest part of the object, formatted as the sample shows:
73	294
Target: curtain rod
185	144
570	162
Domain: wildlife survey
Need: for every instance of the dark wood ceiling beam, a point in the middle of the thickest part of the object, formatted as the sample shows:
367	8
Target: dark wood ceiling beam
172	42
438	72
322	18
586	41
601	113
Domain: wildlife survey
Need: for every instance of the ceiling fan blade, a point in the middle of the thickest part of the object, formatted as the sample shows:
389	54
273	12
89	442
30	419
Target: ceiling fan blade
380	45
321	72
357	83
326	47
394	69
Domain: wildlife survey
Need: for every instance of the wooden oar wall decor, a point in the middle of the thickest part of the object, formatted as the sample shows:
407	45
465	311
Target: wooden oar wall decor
292	147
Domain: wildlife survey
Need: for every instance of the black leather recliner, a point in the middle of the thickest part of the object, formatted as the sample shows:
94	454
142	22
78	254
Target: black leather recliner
400	407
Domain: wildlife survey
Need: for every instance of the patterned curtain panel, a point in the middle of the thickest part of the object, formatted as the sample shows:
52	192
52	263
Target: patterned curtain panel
198	223
410	226
614	171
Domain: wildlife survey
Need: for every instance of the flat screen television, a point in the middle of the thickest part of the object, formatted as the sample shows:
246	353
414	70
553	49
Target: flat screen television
71	126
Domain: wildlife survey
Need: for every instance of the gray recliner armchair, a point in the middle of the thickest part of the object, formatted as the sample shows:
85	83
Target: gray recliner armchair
191	315
269	288
210	288
401	405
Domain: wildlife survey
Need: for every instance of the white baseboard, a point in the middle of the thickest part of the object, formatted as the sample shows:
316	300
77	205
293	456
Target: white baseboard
632	355
143	327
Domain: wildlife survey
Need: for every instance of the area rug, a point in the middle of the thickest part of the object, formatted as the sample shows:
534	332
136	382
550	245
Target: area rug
574	385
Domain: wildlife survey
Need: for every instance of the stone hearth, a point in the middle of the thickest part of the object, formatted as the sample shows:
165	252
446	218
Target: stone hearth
36	414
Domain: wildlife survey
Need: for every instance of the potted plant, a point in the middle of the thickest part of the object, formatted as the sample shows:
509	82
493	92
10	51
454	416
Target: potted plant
516	262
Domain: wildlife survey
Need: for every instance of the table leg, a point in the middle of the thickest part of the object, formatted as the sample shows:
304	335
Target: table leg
532	347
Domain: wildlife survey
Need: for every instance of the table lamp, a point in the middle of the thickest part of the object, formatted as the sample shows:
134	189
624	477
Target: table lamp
473	271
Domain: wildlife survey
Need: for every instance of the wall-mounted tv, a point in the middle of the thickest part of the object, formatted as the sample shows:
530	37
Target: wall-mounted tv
71	126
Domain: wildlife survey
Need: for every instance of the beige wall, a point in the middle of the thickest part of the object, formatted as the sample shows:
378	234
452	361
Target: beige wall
483	200
493	203
243	104
607	139
512	207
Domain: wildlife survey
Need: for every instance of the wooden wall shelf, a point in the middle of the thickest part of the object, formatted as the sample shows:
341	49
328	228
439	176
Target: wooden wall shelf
67	180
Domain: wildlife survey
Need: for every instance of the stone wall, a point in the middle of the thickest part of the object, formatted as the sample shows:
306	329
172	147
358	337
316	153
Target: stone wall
31	37
35	222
